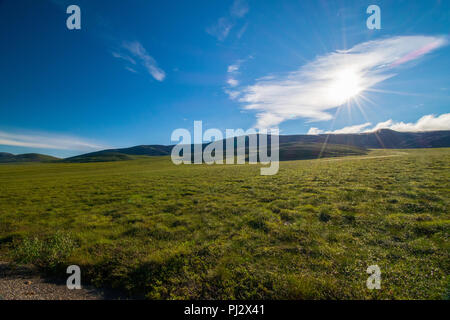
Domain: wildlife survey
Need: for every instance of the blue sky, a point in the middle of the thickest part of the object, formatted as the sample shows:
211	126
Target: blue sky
137	70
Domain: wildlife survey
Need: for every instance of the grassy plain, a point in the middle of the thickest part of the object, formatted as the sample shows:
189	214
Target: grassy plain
162	231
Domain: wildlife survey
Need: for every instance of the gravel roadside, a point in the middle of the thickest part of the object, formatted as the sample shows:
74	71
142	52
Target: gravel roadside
25	283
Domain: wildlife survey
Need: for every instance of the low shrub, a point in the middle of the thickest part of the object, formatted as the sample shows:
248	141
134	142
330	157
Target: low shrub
46	253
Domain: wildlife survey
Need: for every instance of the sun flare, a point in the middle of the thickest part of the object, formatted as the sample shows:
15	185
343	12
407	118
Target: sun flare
345	86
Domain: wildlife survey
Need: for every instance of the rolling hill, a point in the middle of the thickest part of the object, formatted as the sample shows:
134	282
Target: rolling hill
122	154
288	151
292	147
26	157
100	157
380	139
296	147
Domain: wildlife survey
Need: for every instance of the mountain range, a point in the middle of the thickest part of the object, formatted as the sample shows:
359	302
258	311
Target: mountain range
292	147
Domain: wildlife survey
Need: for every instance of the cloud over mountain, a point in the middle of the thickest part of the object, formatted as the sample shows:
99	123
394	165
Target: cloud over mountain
426	123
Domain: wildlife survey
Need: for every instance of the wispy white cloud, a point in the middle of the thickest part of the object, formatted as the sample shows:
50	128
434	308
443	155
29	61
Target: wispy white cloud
221	29
136	51
148	62
233	71
130	69
48	141
233	94
232	75
239	8
123	57
331	80
426	123
233	67
232	82
241	31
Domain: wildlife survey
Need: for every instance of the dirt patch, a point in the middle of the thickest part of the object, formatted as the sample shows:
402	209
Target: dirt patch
25	283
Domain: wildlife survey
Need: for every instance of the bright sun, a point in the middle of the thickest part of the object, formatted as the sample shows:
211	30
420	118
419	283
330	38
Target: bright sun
345	86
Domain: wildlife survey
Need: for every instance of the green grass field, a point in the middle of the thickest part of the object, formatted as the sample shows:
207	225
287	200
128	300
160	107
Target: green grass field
162	231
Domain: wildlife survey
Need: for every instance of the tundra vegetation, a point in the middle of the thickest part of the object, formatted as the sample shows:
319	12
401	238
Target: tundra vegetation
160	231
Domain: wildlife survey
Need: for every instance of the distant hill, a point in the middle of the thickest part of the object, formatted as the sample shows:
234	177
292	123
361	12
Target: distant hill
288	151
380	139
100	157
26	157
122	154
295	147
300	151
292	147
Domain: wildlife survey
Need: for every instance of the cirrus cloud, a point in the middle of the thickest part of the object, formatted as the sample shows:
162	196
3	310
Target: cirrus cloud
48	141
223	26
137	50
